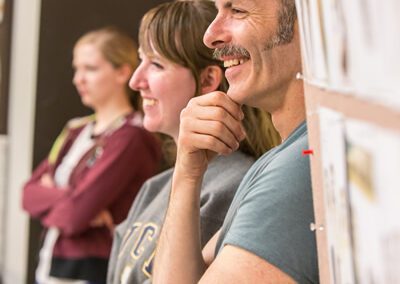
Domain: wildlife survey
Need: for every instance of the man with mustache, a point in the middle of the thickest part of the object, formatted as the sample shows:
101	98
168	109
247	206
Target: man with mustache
265	237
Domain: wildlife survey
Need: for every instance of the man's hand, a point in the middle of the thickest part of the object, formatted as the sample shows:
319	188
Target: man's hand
210	125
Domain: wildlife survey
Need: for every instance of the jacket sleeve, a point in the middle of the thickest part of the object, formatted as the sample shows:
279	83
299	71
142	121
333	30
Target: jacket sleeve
126	162
119	233
36	198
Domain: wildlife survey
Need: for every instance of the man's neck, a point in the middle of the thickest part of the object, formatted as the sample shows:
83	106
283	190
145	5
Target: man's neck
286	123
291	113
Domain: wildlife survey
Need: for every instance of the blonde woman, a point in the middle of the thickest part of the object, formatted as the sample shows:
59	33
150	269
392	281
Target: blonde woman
96	166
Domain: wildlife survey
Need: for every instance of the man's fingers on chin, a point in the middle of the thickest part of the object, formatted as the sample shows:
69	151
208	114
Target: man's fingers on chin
219	100
211	143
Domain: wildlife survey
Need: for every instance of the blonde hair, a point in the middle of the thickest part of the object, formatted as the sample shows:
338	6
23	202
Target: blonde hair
175	31
261	133
118	48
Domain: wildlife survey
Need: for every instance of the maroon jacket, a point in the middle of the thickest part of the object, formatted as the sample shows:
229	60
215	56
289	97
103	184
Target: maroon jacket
107	177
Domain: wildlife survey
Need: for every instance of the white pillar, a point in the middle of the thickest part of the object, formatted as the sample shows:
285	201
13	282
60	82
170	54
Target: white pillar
23	79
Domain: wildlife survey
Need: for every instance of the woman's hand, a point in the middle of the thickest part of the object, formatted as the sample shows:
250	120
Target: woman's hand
47	180
104	218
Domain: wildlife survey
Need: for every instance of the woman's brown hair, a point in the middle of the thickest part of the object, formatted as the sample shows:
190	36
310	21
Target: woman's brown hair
175	31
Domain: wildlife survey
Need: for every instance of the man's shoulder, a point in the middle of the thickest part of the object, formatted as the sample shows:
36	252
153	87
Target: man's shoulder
291	150
284	167
292	153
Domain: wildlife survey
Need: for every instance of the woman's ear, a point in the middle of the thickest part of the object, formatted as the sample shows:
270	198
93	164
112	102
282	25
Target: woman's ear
210	78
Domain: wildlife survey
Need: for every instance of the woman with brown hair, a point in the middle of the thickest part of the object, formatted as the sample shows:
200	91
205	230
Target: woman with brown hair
176	66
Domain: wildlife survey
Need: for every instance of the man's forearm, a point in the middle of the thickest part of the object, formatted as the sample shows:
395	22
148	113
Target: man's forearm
178	257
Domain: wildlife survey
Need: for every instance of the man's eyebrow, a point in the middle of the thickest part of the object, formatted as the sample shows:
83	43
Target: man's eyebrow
224	5
227	4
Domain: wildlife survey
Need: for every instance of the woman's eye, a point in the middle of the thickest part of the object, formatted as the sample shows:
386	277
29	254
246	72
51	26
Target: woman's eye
156	64
91	68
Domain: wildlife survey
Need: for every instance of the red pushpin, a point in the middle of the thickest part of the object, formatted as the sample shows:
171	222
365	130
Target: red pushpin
308	152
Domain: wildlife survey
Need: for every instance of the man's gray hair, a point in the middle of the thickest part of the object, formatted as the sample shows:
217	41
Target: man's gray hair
286	19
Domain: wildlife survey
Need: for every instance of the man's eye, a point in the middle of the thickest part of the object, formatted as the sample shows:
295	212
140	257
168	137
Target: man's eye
236	11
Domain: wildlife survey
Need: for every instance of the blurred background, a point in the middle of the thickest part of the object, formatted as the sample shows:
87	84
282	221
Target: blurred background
37	98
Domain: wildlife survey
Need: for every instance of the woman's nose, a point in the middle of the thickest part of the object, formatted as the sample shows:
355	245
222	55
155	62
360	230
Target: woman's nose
138	80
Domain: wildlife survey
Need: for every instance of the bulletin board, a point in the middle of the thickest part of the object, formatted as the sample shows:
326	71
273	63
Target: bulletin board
351	70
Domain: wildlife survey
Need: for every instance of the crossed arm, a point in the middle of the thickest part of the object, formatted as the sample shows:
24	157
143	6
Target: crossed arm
210	124
74	210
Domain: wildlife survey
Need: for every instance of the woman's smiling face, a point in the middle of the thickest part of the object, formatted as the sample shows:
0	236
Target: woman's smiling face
166	88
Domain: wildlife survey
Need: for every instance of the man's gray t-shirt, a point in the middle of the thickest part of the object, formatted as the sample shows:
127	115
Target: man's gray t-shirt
272	210
135	239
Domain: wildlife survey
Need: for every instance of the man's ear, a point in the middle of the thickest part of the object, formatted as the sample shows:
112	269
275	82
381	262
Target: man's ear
210	78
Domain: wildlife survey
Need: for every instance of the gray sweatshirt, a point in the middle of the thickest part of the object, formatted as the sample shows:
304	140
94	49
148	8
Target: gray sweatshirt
135	239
